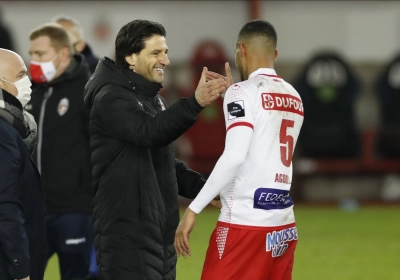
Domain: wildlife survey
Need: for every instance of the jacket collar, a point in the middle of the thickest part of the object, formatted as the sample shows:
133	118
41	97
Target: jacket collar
141	84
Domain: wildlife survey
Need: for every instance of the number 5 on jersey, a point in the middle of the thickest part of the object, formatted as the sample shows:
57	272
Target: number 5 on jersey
286	142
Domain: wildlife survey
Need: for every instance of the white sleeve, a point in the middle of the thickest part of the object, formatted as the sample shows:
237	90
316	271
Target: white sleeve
239	123
238	108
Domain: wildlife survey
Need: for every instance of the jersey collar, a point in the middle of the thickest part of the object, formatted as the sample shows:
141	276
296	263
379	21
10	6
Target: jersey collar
265	72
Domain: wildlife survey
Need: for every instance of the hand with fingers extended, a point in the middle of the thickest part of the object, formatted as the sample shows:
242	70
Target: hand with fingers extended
182	235
210	76
208	92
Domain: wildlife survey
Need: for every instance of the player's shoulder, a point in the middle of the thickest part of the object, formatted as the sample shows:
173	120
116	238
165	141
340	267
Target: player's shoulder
291	89
241	87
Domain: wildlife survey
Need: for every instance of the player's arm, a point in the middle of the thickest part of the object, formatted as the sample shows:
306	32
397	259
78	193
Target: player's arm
237	143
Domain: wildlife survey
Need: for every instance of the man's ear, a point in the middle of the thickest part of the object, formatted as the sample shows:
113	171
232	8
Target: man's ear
65	53
5	86
80	46
131	59
243	49
276	54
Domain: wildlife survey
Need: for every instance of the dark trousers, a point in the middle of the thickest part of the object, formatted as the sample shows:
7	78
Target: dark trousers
70	237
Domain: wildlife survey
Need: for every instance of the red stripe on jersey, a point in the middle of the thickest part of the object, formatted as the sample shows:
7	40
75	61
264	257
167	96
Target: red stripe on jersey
275	76
240	124
229	225
282	102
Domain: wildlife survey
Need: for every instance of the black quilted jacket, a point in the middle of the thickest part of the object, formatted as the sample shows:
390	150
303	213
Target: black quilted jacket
135	175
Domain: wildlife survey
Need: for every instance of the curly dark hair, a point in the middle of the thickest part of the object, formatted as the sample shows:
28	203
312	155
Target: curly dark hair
131	39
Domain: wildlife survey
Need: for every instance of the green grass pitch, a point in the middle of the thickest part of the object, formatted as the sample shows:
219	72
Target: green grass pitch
333	245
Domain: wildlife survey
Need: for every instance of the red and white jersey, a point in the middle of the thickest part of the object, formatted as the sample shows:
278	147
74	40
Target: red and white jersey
263	117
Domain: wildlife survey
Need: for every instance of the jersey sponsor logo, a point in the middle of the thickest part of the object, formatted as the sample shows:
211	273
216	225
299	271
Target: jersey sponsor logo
63	106
235	109
282	102
269	199
276	240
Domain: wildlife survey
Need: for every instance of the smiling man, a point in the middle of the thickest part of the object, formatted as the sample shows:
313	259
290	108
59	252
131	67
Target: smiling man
135	175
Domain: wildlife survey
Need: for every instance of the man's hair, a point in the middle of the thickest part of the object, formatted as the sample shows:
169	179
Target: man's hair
77	27
58	35
259	28
131	39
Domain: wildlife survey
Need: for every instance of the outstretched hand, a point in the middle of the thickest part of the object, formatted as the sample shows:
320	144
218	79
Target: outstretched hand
210	76
208	92
182	235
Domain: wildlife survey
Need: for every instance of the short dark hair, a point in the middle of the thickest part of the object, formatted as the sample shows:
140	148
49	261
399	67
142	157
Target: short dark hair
131	39
259	28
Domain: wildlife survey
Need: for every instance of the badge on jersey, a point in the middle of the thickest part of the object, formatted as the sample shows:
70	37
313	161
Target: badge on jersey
235	109
63	106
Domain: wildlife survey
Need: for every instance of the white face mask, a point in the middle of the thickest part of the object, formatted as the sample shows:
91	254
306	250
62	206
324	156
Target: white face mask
24	89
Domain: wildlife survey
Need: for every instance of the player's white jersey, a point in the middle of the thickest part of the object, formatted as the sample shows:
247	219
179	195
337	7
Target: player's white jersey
259	194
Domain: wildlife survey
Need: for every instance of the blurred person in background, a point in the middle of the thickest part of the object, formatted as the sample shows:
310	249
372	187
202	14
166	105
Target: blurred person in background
135	174
79	45
75	31
78	42
6	41
256	234
63	152
22	203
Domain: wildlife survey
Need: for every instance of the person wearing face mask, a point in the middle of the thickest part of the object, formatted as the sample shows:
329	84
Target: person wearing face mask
79	45
63	153
22	203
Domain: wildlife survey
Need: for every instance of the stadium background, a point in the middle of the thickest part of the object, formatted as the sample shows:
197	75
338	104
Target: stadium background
347	207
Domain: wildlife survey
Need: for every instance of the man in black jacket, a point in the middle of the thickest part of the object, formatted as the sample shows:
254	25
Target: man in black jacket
79	45
63	151
22	204
135	175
